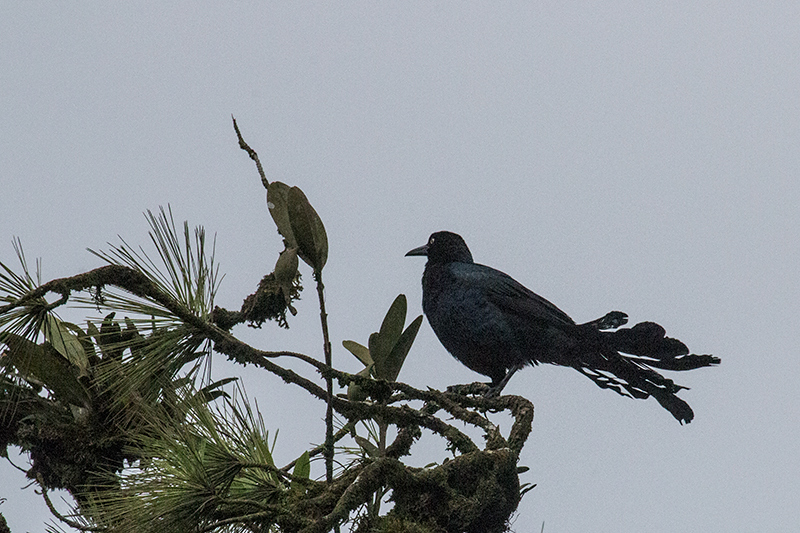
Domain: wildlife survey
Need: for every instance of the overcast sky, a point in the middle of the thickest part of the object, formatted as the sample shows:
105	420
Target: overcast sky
608	155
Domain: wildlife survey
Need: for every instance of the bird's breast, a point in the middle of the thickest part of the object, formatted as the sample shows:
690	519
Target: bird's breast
469	325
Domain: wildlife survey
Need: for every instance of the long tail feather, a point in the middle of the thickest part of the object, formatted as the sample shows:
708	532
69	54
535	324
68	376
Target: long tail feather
644	346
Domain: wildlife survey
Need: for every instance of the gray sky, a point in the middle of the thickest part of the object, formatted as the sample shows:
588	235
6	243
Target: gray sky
608	155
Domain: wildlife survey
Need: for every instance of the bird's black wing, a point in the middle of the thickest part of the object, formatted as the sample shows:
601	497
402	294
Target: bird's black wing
512	298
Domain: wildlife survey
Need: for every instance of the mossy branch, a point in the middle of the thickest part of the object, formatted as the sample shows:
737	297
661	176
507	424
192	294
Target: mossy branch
332	502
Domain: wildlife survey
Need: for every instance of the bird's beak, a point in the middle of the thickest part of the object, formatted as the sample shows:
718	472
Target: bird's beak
422	250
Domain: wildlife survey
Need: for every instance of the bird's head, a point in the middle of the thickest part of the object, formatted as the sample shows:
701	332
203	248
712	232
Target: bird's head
444	247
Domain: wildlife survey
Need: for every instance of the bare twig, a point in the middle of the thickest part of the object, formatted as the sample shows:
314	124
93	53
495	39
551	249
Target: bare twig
252	153
326	346
71	523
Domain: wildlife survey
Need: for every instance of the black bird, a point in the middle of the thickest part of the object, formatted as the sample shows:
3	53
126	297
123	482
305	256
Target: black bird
495	326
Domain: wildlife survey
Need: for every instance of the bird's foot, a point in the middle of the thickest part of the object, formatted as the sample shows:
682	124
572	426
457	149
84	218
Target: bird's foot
496	388
493	392
487	390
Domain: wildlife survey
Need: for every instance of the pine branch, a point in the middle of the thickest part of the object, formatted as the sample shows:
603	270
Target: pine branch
342	495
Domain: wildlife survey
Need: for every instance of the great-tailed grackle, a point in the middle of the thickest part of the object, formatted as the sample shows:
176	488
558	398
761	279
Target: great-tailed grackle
495	326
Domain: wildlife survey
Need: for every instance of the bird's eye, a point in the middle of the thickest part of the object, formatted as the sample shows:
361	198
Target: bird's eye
430	241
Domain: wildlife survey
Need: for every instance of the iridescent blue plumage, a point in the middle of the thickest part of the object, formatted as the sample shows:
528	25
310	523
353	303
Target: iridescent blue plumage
494	326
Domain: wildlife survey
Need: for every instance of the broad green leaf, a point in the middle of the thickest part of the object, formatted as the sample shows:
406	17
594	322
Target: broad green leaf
379	351
286	267
382	343
134	340
85	338
369	448
74	328
92	333
277	202
110	338
302	468
397	357
66	343
45	364
394	320
92	330
285	273
354	391
308	230
360	351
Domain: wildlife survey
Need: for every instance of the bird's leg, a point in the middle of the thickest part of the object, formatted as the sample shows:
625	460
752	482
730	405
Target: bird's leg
497	389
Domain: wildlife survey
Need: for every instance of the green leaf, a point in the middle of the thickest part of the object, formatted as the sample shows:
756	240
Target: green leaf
394	320
133	339
397	357
184	271
312	241
214	390
302	468
110	338
85	338
92	330
278	204
45	364
74	328
286	267
360	351
382	343
370	449
66	343
354	391
285	273
378	351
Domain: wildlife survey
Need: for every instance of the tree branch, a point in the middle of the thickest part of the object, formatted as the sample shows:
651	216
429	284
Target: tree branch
62	518
345	494
252	153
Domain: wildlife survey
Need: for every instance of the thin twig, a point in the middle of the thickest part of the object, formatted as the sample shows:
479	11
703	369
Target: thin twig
252	153
64	519
326	346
